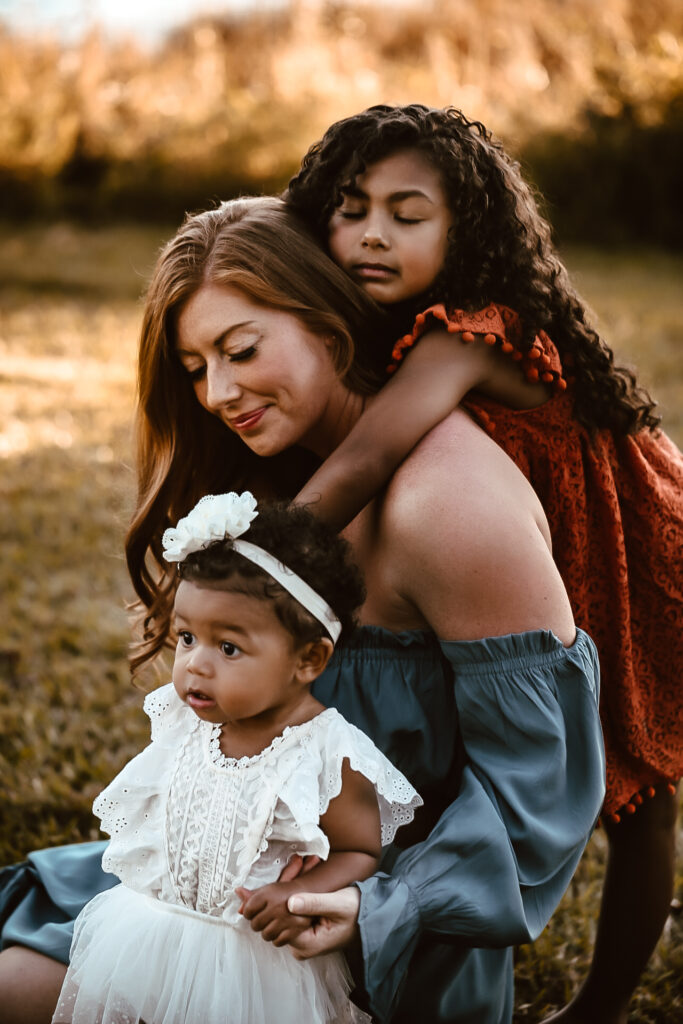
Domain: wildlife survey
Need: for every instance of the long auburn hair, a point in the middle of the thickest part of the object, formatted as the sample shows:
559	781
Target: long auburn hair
183	452
500	247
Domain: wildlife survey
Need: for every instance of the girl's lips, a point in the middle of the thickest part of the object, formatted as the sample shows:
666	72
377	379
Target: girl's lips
373	271
199	700
248	420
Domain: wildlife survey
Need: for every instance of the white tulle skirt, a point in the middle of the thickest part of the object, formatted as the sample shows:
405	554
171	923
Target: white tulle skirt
135	959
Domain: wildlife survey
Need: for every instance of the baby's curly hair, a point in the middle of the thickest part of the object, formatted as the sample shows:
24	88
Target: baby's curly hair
305	545
500	246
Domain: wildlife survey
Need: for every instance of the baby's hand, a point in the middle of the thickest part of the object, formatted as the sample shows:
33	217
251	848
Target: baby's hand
266	909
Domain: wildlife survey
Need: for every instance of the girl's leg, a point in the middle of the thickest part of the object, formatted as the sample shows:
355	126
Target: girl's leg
635	904
30	984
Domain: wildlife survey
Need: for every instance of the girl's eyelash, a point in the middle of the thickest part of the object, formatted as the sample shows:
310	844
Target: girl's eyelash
351	214
407	220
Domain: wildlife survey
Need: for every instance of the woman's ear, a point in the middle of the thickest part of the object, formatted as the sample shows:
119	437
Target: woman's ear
313	659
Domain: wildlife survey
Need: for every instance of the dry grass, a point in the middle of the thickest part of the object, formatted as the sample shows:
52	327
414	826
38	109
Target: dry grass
231	103
68	324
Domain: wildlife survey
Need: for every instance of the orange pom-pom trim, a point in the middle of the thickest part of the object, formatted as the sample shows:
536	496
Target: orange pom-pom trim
537	364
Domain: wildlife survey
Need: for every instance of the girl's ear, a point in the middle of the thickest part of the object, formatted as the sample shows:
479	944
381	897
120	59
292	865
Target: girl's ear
313	659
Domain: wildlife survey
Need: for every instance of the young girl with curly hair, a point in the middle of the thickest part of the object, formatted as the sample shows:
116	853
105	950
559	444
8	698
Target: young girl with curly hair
430	215
245	769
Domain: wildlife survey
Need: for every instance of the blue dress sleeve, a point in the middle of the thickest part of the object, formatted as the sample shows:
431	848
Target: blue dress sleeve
501	856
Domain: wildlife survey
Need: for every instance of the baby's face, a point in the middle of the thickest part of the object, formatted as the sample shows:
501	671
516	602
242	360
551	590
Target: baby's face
390	233
234	659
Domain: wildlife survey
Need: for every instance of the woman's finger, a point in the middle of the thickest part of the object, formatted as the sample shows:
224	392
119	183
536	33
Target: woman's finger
340	905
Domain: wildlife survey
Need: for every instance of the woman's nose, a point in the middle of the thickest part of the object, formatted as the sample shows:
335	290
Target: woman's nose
222	386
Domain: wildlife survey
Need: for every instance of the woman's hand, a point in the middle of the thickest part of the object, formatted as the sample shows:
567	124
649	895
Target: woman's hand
334	924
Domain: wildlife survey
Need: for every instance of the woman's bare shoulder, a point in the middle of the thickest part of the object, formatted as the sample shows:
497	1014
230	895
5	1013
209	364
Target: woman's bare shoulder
460	462
468	539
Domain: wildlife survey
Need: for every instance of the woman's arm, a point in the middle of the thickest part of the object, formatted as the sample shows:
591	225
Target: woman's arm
470	555
352	826
433	380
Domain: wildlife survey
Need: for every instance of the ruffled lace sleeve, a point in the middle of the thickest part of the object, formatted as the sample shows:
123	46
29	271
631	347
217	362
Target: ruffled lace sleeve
500	326
317	780
130	809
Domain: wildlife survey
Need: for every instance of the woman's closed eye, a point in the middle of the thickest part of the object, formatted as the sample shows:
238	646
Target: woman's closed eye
242	355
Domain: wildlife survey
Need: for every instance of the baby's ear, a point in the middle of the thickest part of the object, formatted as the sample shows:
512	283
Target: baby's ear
313	658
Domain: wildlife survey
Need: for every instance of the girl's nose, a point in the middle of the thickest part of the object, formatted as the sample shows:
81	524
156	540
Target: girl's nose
199	663
222	386
375	235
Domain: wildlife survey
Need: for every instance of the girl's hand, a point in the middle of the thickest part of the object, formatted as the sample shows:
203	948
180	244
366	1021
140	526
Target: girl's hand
298	865
266	909
334	923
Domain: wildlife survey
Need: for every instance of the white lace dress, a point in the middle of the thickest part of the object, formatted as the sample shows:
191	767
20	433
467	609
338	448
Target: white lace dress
189	825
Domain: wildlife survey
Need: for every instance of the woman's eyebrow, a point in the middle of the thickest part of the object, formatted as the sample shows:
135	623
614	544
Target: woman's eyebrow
222	337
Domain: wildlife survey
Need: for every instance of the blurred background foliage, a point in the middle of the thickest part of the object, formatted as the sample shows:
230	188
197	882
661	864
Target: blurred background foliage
589	95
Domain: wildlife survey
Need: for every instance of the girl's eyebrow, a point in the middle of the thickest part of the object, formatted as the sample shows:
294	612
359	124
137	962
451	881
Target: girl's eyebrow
215	624
222	337
394	197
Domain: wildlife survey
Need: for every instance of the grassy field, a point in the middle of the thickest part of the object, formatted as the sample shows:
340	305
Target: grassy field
69	313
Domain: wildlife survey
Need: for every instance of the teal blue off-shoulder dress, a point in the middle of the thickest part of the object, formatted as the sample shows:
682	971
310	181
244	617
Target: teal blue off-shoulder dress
502	739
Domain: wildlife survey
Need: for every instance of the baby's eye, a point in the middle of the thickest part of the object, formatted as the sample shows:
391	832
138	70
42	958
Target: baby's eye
185	638
229	649
243	354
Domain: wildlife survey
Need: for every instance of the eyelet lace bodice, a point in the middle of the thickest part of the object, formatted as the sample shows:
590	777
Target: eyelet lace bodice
189	824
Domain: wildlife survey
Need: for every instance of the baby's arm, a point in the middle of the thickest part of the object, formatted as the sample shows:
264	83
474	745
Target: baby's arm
352	825
434	379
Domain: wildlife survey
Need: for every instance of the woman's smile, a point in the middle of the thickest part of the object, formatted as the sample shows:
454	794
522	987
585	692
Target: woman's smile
260	370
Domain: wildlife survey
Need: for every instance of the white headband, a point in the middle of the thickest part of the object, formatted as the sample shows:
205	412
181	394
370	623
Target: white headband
217	516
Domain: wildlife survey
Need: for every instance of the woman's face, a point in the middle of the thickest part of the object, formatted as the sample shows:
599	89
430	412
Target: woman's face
260	370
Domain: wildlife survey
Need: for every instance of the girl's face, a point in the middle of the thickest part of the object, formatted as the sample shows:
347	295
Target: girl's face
390	233
267	377
234	659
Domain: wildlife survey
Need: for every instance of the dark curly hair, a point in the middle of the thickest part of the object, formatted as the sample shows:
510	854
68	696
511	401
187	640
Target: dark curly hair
500	247
299	540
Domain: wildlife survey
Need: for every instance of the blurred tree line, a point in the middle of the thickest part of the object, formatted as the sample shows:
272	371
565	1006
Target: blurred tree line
588	95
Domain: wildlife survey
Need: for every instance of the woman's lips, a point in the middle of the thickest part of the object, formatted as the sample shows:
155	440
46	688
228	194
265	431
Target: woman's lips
248	420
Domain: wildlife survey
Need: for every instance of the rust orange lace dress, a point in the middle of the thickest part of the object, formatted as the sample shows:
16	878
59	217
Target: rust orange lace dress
615	508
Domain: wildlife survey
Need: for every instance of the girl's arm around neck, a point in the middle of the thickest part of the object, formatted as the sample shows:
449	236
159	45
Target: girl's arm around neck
431	383
433	380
